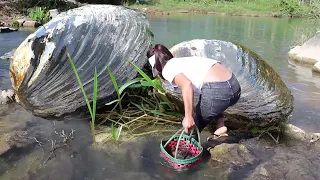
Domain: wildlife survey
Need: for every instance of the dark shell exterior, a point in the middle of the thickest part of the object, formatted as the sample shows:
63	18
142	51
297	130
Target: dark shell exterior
265	99
95	36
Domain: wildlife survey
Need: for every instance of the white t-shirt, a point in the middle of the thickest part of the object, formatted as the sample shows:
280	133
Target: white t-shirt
195	68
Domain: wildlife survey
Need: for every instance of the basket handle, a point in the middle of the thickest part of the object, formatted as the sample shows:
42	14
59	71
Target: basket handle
173	137
194	127
198	133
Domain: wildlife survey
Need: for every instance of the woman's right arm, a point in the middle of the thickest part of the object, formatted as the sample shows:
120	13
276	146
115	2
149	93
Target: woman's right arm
187	93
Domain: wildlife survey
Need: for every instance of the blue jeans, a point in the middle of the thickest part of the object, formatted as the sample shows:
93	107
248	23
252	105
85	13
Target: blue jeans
215	98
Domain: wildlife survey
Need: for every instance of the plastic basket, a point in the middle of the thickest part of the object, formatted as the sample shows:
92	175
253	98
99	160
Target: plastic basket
187	141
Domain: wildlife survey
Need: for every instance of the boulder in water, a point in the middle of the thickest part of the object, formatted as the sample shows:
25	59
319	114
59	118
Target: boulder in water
7	29
8	55
316	67
265	99
308	53
95	36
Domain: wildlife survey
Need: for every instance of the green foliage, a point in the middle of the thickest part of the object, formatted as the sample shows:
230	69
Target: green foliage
15	24
276	8
23	6
115	84
290	7
39	14
315	9
92	109
115	132
255	130
304	33
156	108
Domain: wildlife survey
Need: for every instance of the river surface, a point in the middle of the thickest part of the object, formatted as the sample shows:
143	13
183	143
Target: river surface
268	37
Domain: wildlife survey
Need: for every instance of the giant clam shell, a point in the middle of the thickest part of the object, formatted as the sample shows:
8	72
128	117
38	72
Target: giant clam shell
265	99
95	36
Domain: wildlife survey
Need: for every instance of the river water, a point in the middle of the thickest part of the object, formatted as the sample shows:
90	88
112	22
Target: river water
268	37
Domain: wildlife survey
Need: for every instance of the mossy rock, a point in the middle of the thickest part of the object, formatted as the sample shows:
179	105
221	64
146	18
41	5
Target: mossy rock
235	154
265	99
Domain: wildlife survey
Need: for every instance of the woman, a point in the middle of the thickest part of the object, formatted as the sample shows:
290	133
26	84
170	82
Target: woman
218	87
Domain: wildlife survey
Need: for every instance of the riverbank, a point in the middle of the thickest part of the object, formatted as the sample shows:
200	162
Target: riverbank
236	8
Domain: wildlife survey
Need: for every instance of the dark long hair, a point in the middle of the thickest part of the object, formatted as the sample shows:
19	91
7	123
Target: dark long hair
162	56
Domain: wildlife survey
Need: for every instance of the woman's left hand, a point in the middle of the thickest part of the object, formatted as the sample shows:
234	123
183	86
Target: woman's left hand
187	123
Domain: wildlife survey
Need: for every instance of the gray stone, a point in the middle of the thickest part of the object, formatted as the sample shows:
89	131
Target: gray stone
294	133
53	13
6	96
287	164
8	55
95	36
31	24
308	53
316	67
7	29
21	21
265	99
233	154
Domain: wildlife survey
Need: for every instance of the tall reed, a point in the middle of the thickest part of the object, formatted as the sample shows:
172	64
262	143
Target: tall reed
92	109
140	112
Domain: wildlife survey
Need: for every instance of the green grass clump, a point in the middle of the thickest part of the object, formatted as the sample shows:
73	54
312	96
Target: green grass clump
16	24
291	8
145	105
140	111
40	15
92	109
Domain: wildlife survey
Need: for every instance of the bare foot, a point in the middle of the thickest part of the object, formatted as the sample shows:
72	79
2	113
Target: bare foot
221	132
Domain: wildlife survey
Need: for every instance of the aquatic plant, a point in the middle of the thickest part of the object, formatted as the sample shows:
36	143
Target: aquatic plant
39	14
153	108
140	110
92	109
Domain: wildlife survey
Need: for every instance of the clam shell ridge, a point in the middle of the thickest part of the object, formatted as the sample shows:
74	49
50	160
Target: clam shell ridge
95	36
265	99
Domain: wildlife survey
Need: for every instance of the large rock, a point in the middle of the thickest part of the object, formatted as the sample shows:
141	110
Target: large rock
8	55
53	13
31	24
308	53
7	29
235	154
95	36
265	99
316	67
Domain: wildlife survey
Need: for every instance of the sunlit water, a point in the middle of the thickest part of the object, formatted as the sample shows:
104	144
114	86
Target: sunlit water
270	38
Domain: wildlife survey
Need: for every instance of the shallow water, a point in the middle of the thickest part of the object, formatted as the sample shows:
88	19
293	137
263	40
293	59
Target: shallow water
270	38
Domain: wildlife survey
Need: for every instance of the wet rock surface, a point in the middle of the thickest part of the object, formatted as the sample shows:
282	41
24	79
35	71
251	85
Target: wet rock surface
236	154
6	96
308	53
95	36
316	67
265	99
261	159
6	92
8	55
7	29
32	149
